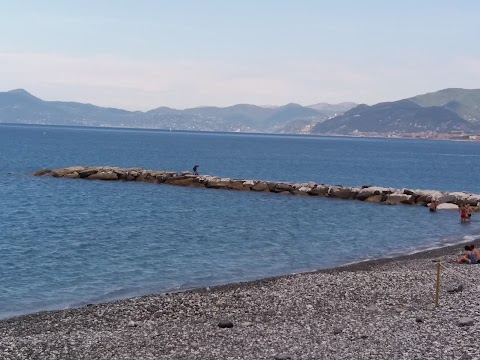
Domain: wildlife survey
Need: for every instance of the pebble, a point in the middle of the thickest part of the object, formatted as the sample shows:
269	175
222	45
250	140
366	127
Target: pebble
225	324
465	321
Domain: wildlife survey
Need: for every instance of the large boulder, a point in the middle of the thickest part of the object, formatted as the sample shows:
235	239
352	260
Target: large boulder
142	175
247	185
447	198
365	193
260	186
205	179
235	185
461	197
179	181
122	174
73	175
298	186
473	199
321	190
150	178
427	196
271	185
342	192
303	190
87	172
69	170
221	183
104	175
408	192
398	198
375	198
281	187
74	168
447	206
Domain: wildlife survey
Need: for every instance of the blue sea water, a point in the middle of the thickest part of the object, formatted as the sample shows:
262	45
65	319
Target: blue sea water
67	242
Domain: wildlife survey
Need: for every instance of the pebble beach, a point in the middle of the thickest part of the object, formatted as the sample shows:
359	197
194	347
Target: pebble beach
380	309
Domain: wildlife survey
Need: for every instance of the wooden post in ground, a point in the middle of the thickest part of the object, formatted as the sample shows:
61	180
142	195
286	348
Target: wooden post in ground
438	283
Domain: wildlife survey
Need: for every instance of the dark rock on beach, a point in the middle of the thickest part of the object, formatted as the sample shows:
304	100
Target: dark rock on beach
225	324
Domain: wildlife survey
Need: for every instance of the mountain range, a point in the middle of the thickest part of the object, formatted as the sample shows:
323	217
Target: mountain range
19	106
444	111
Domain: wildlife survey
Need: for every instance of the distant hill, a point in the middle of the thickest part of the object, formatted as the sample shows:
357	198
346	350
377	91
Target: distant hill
18	106
465	103
449	110
333	109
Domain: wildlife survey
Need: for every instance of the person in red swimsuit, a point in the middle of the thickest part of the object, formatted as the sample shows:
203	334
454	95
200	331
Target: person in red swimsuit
463	214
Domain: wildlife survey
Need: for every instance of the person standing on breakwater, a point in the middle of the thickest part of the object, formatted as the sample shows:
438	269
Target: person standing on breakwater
195	172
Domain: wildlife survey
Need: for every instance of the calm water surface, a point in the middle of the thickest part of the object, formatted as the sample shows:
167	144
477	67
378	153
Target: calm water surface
70	242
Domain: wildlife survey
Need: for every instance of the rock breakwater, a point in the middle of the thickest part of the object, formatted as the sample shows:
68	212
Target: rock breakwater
375	194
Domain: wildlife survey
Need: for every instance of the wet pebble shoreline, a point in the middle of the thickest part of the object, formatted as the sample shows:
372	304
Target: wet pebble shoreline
382	309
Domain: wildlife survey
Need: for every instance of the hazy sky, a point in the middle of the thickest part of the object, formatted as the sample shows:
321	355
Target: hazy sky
143	54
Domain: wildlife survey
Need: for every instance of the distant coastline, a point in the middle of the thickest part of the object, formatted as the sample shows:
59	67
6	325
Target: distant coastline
439	136
448	114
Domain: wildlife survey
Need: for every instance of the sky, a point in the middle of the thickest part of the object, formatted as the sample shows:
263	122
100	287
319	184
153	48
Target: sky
143	54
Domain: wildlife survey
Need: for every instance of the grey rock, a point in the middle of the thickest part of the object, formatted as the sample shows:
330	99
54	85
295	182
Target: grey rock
225	324
459	288
283	357
373	308
465	321
337	330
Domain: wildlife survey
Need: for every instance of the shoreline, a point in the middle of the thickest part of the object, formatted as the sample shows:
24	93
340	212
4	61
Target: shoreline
358	265
381	308
361	265
364	136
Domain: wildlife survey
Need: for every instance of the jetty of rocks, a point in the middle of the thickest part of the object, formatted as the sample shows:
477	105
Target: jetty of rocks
375	194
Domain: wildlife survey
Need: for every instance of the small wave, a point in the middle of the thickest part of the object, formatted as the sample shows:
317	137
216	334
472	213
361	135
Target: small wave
119	293
409	251
459	155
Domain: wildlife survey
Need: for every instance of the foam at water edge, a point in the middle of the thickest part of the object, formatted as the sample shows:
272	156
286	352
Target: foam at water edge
437	245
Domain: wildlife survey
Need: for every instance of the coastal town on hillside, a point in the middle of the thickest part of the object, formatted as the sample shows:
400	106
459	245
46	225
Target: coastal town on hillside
459	136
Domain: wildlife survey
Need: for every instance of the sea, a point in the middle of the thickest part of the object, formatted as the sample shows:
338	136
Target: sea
70	242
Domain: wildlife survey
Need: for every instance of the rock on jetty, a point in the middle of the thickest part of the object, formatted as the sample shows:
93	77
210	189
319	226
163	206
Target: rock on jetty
375	194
